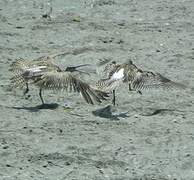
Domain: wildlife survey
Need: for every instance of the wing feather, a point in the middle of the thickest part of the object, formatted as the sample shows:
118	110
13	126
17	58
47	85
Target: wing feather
84	93
18	81
19	66
66	81
108	85
105	68
149	80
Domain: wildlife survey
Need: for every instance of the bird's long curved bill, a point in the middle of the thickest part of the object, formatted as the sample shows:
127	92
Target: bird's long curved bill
82	65
76	68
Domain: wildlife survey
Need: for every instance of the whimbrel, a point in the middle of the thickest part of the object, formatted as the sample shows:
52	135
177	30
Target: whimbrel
43	73
115	74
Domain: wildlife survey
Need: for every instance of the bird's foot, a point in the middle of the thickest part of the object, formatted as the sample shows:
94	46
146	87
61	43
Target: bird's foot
139	92
27	96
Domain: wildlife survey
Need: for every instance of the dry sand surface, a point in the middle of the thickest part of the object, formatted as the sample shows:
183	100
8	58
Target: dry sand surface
145	137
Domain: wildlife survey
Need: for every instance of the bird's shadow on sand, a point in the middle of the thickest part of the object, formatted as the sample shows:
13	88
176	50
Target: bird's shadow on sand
108	113
37	108
161	111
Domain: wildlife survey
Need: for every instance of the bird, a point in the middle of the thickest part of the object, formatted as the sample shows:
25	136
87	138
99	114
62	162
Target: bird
45	74
113	75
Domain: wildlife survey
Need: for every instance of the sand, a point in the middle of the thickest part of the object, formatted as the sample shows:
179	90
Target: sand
145	137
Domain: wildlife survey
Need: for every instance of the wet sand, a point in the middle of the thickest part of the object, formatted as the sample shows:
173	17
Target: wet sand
145	137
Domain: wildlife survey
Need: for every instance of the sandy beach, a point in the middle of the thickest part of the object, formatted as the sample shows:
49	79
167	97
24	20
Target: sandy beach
144	137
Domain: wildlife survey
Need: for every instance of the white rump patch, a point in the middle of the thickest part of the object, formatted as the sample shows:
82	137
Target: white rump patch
118	75
37	69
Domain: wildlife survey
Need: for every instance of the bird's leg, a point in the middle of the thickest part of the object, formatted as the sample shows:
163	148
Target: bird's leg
40	94
27	89
114	98
130	89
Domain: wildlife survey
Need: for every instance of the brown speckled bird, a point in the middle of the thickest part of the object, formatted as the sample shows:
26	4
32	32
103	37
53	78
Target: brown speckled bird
114	75
43	73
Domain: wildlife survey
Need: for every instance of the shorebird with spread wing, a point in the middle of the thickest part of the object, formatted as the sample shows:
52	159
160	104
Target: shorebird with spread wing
114	75
43	73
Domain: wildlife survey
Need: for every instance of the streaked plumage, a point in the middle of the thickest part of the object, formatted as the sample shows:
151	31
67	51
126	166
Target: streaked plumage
43	73
115	75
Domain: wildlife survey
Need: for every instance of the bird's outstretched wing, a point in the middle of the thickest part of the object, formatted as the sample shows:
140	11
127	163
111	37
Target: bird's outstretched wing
66	81
19	65
105	68
18	68
108	85
149	80
24	70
